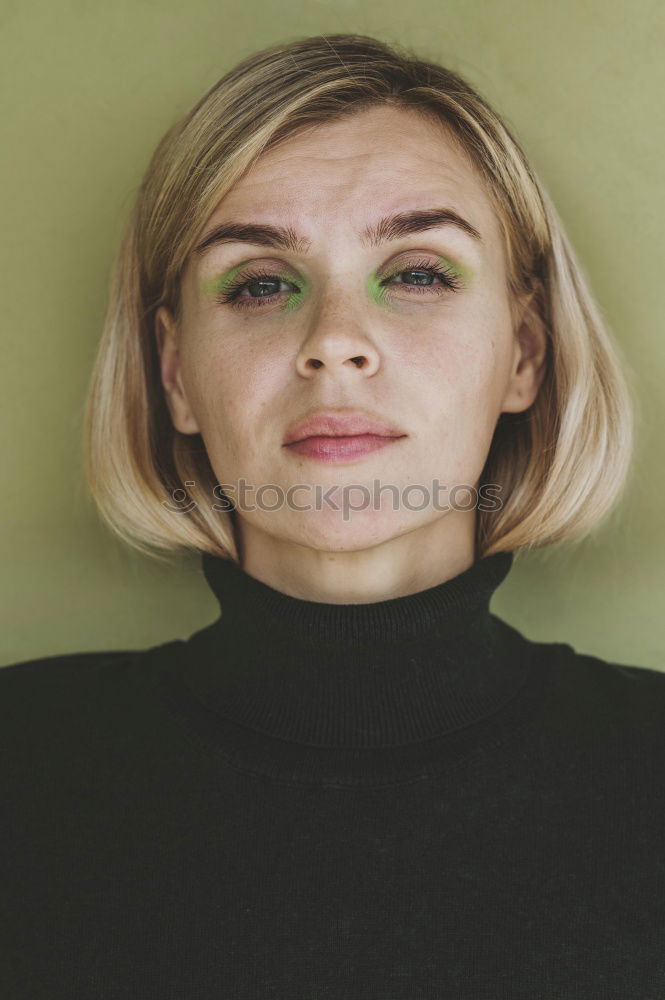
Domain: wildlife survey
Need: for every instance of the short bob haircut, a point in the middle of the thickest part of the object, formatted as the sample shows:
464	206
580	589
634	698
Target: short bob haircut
561	465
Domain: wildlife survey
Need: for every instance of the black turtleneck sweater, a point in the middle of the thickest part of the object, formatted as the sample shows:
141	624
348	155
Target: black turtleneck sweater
405	800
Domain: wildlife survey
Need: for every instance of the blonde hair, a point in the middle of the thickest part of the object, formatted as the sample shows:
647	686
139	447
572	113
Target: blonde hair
562	464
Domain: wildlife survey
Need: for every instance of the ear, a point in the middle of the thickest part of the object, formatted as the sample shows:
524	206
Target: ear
530	354
169	354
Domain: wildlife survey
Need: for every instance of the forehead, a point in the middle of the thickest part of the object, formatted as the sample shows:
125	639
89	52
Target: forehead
339	177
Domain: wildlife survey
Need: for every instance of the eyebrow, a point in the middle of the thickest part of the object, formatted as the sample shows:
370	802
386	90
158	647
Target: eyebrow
391	227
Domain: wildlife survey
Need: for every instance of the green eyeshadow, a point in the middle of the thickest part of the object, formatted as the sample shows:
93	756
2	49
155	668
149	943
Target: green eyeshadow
379	292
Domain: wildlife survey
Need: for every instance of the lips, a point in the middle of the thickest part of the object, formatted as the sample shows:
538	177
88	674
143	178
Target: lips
348	424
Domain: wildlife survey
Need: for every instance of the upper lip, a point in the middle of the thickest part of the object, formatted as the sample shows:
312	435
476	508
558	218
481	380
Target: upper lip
345	423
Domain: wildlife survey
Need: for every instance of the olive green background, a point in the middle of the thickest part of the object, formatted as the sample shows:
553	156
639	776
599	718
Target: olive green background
87	91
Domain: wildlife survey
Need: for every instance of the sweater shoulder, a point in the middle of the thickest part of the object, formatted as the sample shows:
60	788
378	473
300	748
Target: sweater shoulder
630	680
63	667
601	696
61	670
588	677
91	678
63	663
53	706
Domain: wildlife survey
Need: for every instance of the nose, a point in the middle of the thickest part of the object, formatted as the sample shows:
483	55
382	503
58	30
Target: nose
336	341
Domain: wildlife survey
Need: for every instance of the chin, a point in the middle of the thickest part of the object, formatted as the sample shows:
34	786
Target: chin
333	532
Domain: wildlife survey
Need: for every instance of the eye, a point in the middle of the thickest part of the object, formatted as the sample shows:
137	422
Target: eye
261	283
422	276
262	288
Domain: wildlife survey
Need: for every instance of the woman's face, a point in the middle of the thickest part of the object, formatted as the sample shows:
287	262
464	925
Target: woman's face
409	325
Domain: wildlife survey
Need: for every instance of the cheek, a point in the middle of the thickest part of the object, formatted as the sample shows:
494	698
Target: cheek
236	392
458	370
475	353
460	385
480	389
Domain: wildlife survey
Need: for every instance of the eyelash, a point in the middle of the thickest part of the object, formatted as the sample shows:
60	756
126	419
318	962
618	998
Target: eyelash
231	295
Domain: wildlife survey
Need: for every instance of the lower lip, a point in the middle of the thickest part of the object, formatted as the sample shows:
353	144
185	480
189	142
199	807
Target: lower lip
340	449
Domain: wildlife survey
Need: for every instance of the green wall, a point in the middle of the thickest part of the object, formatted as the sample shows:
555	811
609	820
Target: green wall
88	89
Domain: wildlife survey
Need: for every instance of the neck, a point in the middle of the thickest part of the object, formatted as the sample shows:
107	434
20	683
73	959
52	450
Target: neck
404	564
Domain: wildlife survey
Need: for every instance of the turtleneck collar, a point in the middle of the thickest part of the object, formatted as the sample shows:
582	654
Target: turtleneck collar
463	597
292	687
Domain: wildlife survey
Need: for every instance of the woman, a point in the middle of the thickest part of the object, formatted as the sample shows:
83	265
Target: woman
350	358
